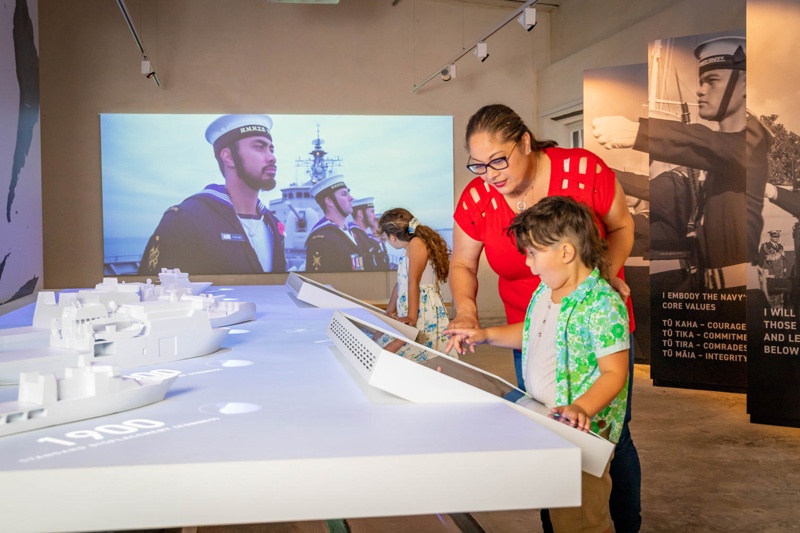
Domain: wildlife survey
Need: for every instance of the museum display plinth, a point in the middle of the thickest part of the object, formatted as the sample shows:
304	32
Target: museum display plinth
276	427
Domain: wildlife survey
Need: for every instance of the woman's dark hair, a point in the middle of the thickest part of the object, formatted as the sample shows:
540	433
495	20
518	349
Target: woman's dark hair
396	222
556	218
503	123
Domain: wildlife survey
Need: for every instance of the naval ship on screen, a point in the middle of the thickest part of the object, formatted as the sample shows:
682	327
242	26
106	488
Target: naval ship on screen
296	209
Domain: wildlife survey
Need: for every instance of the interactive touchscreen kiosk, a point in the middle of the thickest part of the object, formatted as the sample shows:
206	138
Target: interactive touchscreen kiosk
320	295
423	375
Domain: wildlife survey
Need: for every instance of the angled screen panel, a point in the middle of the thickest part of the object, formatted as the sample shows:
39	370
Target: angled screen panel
320	295
419	374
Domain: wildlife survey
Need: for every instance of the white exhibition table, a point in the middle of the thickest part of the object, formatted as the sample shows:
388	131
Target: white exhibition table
276	427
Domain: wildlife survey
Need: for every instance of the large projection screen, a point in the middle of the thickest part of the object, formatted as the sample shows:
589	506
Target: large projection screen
152	162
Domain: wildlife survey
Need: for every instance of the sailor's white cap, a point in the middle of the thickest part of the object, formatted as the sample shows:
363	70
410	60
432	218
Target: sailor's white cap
722	53
229	128
329	184
367	202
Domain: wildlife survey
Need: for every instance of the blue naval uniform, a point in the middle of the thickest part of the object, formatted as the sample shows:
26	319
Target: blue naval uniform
329	249
379	254
203	235
375	256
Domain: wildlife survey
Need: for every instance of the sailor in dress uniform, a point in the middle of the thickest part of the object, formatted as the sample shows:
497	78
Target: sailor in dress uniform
772	255
332	245
733	159
225	228
364	221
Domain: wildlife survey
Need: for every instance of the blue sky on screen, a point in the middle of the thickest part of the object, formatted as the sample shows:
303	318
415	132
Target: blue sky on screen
153	161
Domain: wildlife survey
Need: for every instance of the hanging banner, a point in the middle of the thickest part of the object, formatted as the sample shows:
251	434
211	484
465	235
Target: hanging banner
693	130
699	233
773	289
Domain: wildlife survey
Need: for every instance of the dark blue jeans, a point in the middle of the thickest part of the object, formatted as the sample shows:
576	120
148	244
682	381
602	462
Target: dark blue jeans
625	503
626	472
518	369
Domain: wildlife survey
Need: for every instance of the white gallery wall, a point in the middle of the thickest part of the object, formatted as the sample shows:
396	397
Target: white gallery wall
358	57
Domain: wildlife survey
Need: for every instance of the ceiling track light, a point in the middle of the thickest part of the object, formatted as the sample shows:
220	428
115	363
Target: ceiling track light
527	19
481	51
524	14
147	67
448	72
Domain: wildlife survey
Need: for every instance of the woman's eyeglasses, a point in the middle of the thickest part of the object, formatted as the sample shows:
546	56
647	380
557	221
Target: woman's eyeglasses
499	163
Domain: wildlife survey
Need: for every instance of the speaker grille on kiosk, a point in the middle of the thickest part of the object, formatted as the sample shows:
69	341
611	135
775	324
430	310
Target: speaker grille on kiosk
357	351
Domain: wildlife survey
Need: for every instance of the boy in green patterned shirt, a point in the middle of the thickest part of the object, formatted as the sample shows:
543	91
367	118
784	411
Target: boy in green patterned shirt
574	339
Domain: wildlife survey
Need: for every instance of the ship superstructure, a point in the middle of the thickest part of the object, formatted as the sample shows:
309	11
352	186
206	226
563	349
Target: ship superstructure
297	209
129	335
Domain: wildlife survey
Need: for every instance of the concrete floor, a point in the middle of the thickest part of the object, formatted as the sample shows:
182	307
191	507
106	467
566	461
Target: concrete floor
705	468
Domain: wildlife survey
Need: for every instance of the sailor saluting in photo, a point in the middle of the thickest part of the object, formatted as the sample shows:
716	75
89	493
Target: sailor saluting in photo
733	157
225	229
332	246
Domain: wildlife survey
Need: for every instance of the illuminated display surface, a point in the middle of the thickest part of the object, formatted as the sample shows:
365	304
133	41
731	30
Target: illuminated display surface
420	374
287	432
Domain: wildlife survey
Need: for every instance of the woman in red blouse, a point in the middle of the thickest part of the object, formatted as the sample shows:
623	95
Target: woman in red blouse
514	172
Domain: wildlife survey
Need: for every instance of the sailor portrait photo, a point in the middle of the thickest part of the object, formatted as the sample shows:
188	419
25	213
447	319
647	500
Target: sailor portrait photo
697	129
245	193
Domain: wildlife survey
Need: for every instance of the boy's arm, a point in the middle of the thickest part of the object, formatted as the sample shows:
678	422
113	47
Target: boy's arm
508	336
613	376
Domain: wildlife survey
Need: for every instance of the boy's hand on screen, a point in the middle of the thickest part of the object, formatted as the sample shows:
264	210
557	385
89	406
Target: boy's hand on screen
455	341
572	415
462	337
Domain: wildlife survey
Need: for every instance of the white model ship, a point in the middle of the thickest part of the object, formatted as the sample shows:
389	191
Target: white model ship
48	311
127	324
86	391
175	285
109	292
173	278
222	312
129	336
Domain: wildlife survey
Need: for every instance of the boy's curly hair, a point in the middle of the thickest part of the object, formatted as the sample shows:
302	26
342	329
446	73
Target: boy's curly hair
557	218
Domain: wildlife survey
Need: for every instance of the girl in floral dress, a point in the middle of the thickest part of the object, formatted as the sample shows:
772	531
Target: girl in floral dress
416	299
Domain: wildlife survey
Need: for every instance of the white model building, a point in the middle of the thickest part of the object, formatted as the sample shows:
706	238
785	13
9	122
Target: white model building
86	391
